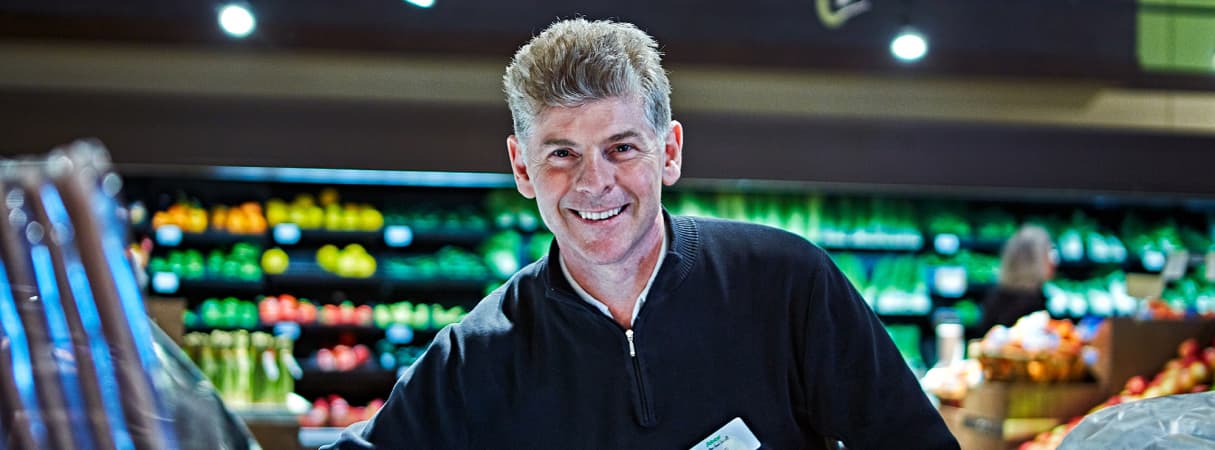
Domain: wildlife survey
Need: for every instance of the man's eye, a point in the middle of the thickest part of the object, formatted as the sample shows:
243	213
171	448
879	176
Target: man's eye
623	148
563	153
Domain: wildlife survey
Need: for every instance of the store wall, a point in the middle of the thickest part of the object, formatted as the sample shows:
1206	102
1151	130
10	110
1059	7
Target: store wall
408	136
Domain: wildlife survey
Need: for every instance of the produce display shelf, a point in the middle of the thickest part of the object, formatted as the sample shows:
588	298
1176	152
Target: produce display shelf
357	386
172	236
309	329
165	283
314	278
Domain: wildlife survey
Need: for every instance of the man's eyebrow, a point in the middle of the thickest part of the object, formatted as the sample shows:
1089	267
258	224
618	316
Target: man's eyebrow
623	135
559	142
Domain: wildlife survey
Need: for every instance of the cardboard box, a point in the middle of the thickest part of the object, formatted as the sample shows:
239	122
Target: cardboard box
1012	400
168	314
1002	415
274	428
975	431
1128	347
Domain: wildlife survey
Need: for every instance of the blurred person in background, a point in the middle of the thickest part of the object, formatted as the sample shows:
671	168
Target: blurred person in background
1026	264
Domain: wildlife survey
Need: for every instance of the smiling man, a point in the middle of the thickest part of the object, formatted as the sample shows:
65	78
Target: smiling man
641	329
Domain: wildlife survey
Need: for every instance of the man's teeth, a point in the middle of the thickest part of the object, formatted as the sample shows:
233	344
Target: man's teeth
600	215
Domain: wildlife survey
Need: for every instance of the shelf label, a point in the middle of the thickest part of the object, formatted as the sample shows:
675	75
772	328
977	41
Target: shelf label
950	281
398	235
287	234
398	334
947	243
165	282
289	329
168	235
1175	265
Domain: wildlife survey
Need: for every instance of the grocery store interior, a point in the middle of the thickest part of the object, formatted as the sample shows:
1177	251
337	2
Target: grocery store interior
310	190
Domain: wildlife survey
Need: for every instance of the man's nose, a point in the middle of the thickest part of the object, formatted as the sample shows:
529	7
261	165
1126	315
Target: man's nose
596	175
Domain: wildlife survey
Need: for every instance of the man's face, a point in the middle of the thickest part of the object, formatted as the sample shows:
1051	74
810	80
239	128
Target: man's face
596	172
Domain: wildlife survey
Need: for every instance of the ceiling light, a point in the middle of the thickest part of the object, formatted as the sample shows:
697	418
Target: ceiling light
237	20
421	3
909	45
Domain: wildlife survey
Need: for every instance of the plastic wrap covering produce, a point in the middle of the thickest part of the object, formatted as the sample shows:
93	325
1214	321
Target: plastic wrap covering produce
199	416
1177	422
79	366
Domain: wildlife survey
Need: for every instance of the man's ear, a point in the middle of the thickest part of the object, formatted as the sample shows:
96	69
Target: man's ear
673	154
518	165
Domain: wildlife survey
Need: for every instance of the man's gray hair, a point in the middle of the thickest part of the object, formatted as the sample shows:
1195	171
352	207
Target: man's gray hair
577	61
1025	261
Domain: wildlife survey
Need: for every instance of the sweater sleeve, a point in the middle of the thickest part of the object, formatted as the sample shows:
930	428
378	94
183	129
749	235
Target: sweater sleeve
859	389
425	410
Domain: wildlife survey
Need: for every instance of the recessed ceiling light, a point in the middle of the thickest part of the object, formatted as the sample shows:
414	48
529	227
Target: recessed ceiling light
909	46
237	20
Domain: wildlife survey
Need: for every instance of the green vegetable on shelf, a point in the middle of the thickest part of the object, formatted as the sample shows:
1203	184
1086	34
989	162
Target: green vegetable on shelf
853	268
420	318
539	245
502	253
968	312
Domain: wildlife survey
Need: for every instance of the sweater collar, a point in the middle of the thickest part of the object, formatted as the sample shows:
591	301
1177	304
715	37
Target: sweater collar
683	246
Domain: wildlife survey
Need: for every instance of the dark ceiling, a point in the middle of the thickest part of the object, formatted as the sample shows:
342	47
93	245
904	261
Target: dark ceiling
1076	38
1089	39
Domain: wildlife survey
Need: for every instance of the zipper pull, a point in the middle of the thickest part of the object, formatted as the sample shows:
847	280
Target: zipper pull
628	334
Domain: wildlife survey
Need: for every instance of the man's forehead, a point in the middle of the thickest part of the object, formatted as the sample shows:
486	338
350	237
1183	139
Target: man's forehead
596	121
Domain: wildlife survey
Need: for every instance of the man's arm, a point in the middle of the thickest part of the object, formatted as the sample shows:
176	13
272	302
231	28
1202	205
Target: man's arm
426	408
859	389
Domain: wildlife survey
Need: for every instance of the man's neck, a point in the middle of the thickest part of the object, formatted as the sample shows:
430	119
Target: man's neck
618	285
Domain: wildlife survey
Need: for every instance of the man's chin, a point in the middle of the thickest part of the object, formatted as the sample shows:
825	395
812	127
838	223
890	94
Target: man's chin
597	254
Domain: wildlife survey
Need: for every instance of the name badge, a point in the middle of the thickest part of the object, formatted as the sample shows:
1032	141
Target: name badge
734	436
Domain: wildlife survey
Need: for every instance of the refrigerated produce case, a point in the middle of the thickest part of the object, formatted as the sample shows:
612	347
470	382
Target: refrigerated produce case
360	268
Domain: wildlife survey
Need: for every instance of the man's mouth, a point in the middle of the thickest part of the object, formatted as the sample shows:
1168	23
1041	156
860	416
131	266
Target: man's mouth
600	215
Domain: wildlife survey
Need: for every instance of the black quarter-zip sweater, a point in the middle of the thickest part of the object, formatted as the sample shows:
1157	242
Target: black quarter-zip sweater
742	321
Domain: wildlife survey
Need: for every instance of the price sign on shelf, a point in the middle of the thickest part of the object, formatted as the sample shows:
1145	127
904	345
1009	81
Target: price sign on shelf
398	235
1175	265
1153	260
287	234
168	235
165	282
399	334
289	329
946	243
950	281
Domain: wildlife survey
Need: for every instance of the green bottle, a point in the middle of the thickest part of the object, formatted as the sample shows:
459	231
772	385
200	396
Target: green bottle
242	390
219	373
265	369
207	361
192	344
288	369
